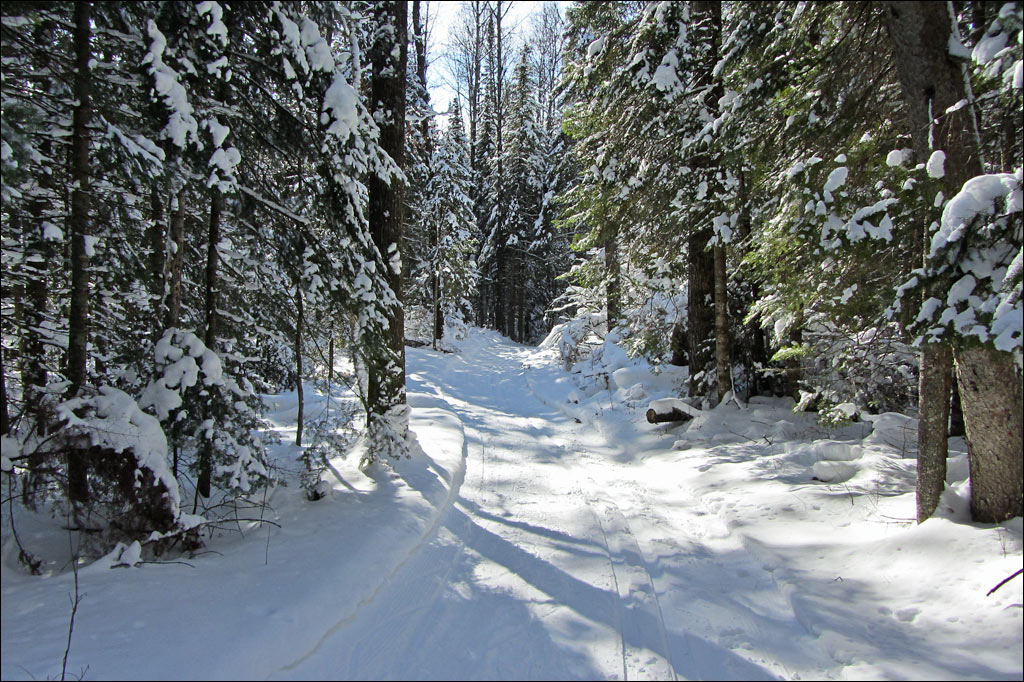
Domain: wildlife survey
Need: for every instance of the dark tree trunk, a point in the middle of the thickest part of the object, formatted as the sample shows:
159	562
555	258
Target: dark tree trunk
699	306
712	37
498	292
723	360
176	260
157	258
956	413
78	313
204	481
680	345
40	254
330	357
5	418
298	363
78	321
438	317
612	272
420	43
794	368
39	258
385	211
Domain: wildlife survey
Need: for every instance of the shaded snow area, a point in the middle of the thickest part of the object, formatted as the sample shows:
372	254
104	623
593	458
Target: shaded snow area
547	531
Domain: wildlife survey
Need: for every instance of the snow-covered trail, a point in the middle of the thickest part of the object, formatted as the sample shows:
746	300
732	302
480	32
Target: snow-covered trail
536	572
547	532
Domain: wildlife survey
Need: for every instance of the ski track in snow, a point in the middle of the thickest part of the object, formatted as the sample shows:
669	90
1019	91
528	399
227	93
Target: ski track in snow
534	554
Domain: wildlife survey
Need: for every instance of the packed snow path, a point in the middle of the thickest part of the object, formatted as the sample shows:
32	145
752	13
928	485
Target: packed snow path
537	572
547	531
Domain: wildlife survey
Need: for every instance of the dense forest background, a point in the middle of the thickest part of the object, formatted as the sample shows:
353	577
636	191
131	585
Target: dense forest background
204	202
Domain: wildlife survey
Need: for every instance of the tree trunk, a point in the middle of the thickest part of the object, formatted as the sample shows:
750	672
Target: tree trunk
386	387
498	292
157	257
5	419
176	260
723	361
933	407
679	345
330	359
713	33
203	484
991	389
794	368
298	363
78	316
956	413
699	307
932	82
612	272
78	312
438	316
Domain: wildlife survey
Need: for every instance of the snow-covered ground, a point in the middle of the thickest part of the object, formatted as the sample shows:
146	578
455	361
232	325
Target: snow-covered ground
547	531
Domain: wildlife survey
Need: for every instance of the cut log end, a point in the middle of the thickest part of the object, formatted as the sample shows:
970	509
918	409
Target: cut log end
673	415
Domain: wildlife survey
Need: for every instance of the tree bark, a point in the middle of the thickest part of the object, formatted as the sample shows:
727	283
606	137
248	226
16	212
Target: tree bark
78	315
5	419
176	261
794	368
990	390
157	258
612	270
699	306
204	482
298	364
723	361
934	384
956	413
78	312
386	386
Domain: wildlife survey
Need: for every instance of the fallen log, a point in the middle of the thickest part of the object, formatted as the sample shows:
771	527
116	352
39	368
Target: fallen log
670	410
655	417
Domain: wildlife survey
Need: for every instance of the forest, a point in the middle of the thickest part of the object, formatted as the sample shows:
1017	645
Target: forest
208	204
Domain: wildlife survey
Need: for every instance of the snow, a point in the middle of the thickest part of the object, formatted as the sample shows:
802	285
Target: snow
956	47
978	196
90	242
988	47
217	28
894	158
835	180
51	232
960	290
536	538
181	125
936	166
112	420
340	103
665	77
